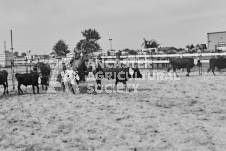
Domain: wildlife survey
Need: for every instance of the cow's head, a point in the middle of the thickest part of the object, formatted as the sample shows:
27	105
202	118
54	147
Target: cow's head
37	67
135	73
87	59
197	62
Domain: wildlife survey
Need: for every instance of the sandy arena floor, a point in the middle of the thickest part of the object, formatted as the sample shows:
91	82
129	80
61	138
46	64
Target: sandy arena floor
184	115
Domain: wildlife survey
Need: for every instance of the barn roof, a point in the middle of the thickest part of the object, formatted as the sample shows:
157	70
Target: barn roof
217	32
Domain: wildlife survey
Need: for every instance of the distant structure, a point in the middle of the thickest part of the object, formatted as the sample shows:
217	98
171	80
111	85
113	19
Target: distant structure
150	50
216	41
2	59
5	58
70	55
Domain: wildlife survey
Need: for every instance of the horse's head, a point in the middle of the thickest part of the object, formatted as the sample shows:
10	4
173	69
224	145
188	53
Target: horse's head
84	60
83	65
42	68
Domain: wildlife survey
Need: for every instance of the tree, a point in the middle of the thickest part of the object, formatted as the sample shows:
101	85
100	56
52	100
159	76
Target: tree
16	54
91	35
130	52
61	48
201	47
190	48
23	54
150	43
45	56
89	44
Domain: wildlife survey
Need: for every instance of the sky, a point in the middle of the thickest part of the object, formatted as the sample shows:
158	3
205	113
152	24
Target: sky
37	25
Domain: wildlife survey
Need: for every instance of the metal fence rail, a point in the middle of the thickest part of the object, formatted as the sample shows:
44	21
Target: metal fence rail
22	66
144	61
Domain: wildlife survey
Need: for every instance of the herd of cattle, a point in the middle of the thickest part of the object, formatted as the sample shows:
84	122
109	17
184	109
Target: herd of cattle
40	75
80	68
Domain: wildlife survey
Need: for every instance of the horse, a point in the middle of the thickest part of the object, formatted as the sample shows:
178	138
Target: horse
45	70
82	66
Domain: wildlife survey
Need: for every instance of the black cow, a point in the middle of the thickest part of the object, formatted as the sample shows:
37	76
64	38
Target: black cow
45	71
188	63
220	63
27	79
117	71
4	80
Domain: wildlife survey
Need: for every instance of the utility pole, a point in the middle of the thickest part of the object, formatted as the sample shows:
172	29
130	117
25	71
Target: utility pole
110	43
5	46
11	40
12	61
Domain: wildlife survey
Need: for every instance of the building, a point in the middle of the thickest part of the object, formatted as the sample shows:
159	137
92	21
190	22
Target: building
171	50
99	53
216	41
70	55
2	59
149	50
6	58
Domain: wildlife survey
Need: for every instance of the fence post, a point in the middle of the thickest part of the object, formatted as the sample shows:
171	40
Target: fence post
26	66
200	68
58	65
135	63
152	62
181	56
30	63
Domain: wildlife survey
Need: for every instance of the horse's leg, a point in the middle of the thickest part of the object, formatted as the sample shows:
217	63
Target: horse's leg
98	84
21	91
48	82
125	85
72	88
209	69
63	86
67	87
46	87
116	82
77	81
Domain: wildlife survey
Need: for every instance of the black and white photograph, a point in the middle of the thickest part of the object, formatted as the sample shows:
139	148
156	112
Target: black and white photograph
112	75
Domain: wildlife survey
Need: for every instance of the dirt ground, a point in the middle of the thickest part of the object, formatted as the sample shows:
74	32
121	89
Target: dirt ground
188	114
